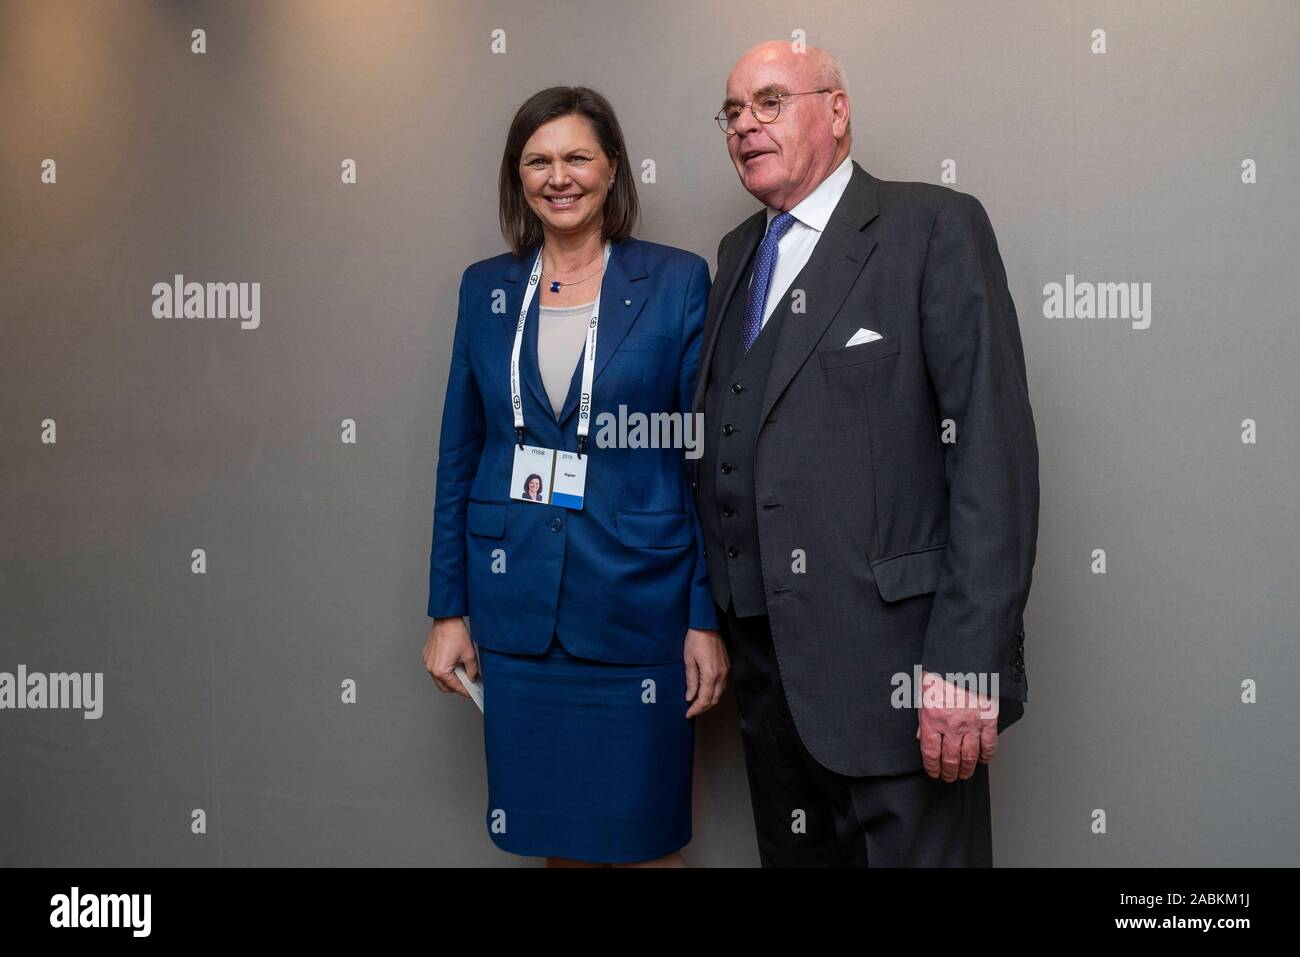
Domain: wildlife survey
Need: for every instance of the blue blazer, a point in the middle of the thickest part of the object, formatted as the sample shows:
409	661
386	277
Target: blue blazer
621	579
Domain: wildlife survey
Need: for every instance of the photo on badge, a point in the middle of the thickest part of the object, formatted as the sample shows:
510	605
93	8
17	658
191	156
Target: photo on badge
530	480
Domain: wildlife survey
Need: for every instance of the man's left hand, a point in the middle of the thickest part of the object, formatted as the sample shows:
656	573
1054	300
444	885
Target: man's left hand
957	728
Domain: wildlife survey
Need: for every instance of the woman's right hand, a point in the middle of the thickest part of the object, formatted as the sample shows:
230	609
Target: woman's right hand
449	645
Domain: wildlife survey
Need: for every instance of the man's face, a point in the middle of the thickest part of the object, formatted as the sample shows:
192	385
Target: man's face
782	161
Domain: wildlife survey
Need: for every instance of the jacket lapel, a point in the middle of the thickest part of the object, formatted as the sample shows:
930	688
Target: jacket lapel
748	236
517	272
839	257
621	301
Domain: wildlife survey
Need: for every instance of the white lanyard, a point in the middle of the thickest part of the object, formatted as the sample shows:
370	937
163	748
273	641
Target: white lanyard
588	357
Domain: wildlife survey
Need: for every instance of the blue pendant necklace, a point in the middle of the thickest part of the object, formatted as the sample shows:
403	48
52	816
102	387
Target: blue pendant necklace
556	284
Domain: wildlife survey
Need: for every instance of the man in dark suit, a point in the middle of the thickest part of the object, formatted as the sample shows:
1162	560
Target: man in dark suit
868	489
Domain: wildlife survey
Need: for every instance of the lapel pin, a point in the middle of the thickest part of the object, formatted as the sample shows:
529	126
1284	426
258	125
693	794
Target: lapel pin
627	302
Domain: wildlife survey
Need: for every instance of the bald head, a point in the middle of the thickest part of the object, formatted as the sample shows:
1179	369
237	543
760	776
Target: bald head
783	161
817	66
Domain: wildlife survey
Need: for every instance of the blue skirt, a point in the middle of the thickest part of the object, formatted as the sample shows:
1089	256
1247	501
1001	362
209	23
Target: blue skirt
585	759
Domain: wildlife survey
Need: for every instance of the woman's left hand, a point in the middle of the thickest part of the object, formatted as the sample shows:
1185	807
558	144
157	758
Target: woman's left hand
706	669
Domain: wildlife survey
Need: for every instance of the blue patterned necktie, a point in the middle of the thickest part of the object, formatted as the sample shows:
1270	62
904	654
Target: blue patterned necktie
764	266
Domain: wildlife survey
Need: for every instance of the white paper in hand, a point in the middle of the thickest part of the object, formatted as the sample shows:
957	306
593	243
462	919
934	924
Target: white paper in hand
475	688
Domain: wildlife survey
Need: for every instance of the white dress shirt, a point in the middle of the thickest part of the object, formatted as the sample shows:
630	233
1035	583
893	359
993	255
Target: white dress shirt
797	245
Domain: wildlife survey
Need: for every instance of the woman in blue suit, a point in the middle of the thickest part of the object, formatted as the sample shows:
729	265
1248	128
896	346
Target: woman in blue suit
595	629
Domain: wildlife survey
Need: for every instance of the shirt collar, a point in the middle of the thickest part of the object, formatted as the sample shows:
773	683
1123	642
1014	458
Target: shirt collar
815	209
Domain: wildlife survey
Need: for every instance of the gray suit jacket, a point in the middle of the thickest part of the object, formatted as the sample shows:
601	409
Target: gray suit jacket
917	551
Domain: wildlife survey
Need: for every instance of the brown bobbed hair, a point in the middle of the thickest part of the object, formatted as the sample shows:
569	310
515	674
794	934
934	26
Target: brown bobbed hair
519	224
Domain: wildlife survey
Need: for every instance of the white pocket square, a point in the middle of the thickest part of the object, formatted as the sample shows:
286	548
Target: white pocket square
861	336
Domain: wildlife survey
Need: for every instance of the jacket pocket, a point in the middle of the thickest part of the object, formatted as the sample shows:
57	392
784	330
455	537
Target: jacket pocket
909	574
654	529
487	519
864	352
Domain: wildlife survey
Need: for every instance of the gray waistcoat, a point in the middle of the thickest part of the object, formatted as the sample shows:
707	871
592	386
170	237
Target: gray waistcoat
727	465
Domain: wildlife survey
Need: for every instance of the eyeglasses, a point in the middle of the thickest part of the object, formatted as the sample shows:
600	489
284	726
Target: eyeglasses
765	110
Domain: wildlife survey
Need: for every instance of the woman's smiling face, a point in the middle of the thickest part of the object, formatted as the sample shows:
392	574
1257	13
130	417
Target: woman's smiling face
566	175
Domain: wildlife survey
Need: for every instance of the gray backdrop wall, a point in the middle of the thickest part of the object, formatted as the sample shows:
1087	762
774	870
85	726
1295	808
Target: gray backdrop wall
222	691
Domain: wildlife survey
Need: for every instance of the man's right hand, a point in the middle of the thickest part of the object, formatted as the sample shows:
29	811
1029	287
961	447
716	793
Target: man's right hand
447	646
